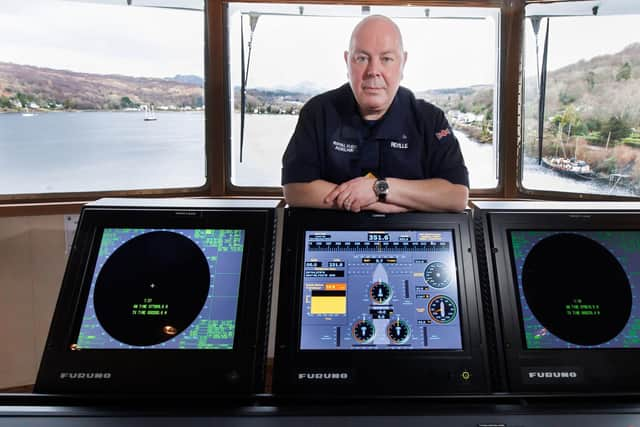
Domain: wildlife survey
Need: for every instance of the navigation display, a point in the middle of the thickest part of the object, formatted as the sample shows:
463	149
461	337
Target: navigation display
380	290
577	289
163	289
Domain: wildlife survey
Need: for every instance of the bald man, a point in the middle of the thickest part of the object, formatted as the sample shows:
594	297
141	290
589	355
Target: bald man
370	144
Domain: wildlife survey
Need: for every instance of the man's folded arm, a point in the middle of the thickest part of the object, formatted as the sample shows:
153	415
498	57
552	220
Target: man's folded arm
429	195
309	194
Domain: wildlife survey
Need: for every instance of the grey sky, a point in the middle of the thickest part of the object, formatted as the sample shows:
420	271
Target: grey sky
153	42
102	39
442	53
584	37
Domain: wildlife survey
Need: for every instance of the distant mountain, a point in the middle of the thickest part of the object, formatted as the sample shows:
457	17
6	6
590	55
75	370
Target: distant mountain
188	79
271	100
57	89
600	88
477	99
305	88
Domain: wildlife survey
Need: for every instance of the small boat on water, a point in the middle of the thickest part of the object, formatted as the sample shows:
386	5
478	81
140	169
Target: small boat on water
573	168
27	113
149	114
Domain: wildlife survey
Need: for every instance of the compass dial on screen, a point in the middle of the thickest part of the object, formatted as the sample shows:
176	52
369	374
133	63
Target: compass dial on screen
151	288
380	292
398	331
442	309
437	275
587	300
363	331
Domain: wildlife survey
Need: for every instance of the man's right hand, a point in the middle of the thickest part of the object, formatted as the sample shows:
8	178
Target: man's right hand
353	195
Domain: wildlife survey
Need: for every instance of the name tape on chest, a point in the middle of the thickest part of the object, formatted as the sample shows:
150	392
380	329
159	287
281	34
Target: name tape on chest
345	148
398	145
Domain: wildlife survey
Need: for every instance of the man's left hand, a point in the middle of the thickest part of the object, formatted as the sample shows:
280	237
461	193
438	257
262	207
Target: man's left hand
353	195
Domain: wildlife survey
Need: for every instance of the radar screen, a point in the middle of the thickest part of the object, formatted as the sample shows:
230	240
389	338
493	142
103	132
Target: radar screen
380	290
163	289
578	289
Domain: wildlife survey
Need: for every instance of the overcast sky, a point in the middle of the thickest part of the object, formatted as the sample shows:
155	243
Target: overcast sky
573	39
287	51
104	39
441	52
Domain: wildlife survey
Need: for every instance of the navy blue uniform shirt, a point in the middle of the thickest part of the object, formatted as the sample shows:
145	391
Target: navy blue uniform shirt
413	140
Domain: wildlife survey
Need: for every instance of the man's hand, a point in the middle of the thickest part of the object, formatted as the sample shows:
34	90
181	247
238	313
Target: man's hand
353	195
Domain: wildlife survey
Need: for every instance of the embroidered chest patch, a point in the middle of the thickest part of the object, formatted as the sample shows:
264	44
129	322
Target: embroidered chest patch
345	148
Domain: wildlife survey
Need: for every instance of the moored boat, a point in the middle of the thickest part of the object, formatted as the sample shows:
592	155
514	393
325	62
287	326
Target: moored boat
574	168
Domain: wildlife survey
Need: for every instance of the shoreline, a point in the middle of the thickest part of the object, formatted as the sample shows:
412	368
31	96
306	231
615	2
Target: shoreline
95	111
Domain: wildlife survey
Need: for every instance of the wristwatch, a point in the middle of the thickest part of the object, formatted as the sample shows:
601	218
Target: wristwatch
381	188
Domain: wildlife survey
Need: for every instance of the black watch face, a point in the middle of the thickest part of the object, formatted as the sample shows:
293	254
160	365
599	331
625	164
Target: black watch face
382	187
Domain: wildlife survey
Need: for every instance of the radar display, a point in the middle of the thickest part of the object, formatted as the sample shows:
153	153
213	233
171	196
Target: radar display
577	289
163	289
380	290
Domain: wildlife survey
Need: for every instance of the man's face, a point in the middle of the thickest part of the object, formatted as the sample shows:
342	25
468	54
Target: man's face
375	63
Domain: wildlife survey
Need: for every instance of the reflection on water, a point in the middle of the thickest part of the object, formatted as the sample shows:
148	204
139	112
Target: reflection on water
93	151
538	177
97	151
266	137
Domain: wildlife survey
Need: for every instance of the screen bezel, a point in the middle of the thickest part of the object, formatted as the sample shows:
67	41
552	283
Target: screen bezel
90	271
210	371
414	375
361	229
596	369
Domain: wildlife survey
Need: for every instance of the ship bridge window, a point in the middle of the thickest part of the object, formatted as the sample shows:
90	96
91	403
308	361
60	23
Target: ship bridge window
280	55
581	82
101	95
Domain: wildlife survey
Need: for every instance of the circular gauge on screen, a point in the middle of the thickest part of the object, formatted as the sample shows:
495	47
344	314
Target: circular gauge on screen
380	292
576	289
398	331
151	288
363	331
442	309
437	275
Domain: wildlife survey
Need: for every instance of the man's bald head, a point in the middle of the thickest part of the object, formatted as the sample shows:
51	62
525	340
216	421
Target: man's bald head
381	24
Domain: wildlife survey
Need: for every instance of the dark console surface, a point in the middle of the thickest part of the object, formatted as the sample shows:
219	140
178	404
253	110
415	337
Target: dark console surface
49	411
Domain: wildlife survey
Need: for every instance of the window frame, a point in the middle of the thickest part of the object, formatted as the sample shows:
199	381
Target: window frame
528	193
46	202
232	189
217	122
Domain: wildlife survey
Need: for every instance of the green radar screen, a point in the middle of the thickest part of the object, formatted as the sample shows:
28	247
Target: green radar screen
574	286
151	288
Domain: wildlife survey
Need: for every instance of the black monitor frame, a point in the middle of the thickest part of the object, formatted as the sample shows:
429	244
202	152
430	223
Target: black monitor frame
378	372
579	370
229	372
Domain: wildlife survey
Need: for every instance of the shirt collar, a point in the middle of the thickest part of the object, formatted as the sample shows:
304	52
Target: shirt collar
390	126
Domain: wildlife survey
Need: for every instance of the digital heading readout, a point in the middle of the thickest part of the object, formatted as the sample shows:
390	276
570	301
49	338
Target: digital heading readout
380	290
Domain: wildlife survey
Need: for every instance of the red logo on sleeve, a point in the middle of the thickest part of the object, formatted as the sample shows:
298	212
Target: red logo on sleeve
443	133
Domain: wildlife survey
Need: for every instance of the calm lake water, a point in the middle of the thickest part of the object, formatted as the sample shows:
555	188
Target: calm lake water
97	151
88	151
266	137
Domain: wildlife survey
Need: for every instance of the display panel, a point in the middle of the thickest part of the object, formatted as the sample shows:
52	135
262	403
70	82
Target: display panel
163	296
577	288
380	290
163	289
